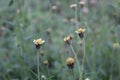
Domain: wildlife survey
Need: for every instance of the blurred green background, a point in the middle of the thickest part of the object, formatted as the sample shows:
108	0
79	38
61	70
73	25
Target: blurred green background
21	21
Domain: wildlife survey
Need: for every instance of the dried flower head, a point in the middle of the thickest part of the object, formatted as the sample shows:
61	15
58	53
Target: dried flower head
46	62
116	45
73	6
68	39
82	3
70	62
38	42
80	32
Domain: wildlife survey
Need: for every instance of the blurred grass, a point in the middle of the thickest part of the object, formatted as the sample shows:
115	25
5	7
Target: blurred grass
26	20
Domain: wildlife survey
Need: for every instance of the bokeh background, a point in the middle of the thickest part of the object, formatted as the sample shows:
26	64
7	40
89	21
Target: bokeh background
21	21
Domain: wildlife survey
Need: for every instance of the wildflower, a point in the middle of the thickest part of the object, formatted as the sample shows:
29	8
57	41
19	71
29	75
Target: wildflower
82	3
80	32
38	42
70	62
43	77
73	6
68	39
46	62
116	45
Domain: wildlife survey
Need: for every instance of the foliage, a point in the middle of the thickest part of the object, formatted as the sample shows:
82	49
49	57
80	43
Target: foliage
21	21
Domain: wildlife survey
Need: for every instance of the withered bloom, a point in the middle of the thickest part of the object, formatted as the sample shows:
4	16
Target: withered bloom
80	32
38	42
70	62
73	6
82	3
68	39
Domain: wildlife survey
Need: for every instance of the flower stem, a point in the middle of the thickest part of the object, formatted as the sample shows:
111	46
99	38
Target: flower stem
76	18
73	74
48	72
111	74
83	61
38	65
78	64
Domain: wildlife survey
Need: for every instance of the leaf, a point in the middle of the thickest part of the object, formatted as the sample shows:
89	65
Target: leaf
11	2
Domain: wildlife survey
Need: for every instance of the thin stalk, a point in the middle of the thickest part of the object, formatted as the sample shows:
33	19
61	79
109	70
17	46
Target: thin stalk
76	18
83	60
111	75
94	60
117	50
18	29
73	74
38	65
118	61
48	72
78	64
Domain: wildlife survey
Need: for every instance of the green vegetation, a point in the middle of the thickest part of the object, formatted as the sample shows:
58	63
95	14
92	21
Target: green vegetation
94	56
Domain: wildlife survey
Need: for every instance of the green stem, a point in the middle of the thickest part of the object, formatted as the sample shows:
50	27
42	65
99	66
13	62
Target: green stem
73	74
76	18
38	65
48	72
18	31
83	61
111	65
78	64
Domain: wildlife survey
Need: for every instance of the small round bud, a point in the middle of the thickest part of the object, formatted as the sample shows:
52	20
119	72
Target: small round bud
116	45
48	31
46	62
42	53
